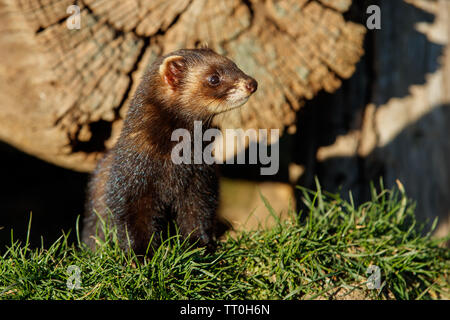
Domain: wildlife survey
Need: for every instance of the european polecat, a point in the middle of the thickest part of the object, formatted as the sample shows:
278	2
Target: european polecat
137	182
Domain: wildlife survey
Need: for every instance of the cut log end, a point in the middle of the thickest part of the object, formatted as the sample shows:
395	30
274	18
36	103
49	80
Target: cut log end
294	49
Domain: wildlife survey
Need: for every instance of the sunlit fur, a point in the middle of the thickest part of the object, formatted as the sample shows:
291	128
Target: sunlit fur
195	91
137	182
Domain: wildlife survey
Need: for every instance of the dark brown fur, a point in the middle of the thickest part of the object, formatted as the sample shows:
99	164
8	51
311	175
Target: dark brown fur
137	181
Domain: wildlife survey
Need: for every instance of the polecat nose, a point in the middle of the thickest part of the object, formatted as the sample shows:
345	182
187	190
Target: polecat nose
251	85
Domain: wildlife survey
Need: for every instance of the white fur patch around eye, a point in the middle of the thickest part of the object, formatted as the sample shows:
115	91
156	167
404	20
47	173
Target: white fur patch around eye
236	97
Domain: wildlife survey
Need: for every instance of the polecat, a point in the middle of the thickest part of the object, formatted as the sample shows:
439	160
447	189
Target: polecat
137	181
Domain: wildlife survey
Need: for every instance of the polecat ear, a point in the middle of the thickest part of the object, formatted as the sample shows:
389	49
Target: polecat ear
172	70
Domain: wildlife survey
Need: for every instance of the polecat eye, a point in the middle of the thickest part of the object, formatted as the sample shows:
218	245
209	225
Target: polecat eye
214	80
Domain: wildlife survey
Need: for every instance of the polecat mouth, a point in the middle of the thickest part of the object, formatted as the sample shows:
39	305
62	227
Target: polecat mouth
235	103
234	98
240	102
230	106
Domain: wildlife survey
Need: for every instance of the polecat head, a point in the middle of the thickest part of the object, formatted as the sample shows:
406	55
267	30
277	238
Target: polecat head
203	80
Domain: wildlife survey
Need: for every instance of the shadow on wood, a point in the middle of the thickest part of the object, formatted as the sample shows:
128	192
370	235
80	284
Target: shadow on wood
398	57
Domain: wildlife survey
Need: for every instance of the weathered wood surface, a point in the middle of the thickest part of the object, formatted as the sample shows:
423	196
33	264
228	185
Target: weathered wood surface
392	118
64	93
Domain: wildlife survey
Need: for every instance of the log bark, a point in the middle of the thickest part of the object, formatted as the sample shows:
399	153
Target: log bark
392	118
64	93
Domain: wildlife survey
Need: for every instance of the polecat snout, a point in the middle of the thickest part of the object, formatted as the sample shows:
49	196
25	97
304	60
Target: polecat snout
136	181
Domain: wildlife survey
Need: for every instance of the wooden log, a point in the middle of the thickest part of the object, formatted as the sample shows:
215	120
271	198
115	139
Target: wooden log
64	93
392	118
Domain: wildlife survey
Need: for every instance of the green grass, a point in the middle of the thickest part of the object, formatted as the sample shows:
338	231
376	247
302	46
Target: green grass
324	252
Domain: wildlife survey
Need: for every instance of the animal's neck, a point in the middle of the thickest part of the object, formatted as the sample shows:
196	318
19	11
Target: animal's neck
151	128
